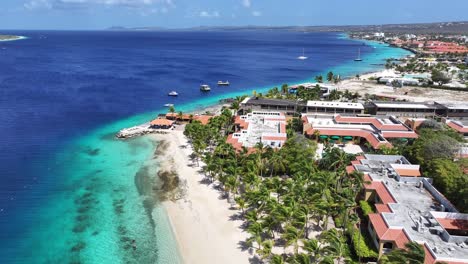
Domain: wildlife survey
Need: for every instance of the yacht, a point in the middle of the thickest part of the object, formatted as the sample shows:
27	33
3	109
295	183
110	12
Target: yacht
168	105
359	56
303	57
221	83
205	88
173	93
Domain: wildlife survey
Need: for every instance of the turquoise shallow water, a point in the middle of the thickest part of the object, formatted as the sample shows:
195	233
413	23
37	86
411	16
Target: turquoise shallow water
98	198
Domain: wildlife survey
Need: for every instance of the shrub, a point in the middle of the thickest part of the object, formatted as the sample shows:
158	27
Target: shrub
361	245
366	208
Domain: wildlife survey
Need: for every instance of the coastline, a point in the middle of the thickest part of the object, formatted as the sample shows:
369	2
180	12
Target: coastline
203	223
205	228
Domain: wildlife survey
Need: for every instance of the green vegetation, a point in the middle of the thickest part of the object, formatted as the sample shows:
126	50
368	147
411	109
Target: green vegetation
363	245
435	150
412	254
366	208
282	194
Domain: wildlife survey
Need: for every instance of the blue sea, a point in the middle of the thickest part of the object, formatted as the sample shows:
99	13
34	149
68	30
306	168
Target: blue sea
69	191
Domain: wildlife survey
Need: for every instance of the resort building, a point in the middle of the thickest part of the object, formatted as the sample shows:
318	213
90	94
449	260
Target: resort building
264	104
372	129
452	109
334	107
161	123
408	208
459	125
268	128
404	109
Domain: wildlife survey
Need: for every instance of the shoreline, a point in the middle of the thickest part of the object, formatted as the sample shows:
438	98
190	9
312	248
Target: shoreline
200	215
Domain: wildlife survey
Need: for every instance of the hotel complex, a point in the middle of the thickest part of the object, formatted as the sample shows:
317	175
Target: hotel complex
408	208
268	128
373	129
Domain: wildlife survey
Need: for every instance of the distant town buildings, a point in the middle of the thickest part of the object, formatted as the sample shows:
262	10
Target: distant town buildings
408	208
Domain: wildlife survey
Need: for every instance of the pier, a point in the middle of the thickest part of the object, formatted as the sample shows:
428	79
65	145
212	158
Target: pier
140	130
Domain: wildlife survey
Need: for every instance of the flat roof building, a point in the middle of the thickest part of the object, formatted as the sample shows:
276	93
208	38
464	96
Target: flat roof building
404	109
373	129
268	128
452	109
409	208
334	107
266	104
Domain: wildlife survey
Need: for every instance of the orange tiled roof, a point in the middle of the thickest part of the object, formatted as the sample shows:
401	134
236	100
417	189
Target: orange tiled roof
397	235
379	224
395	134
457	127
408	172
204	119
383	208
375	143
454	224
176	116
350	169
382	191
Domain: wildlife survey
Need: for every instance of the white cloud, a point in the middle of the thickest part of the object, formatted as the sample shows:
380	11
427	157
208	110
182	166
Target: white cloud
256	13
35	4
246	3
71	4
208	14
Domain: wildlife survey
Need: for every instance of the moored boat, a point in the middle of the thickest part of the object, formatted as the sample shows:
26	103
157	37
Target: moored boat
221	83
173	93
205	88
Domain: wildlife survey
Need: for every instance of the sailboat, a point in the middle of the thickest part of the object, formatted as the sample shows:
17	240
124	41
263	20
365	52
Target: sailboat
359	56
303	57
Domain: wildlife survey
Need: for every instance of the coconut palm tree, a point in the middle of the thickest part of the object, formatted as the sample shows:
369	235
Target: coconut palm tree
292	236
330	76
412	254
319	78
277	259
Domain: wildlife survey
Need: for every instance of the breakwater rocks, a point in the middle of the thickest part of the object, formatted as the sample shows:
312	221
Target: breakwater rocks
139	131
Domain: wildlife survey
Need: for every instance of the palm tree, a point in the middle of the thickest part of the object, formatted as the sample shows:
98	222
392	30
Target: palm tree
319	78
412	254
180	115
284	88
172	110
265	250
312	247
300	259
277	259
330	76
292	236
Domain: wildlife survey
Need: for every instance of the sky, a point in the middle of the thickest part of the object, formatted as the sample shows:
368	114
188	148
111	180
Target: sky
102	14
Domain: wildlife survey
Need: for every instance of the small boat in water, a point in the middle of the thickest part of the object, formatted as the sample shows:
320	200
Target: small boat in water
205	88
359	56
303	57
168	105
221	83
173	93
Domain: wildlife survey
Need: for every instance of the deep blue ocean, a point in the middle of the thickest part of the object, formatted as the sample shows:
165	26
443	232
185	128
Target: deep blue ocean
67	188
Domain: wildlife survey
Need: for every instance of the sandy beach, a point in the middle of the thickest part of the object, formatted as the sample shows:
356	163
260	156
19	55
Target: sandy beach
410	93
201	220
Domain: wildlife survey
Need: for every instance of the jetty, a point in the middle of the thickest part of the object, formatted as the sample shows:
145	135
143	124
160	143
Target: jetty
140	130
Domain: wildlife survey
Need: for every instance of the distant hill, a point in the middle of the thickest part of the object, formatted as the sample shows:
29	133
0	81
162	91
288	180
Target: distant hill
460	27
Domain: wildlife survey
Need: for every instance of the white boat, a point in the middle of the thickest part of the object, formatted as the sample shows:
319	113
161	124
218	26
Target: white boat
221	83
359	56
168	105
205	88
303	57
173	93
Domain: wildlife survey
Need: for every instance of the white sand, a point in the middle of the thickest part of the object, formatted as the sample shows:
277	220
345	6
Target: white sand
416	94
201	221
